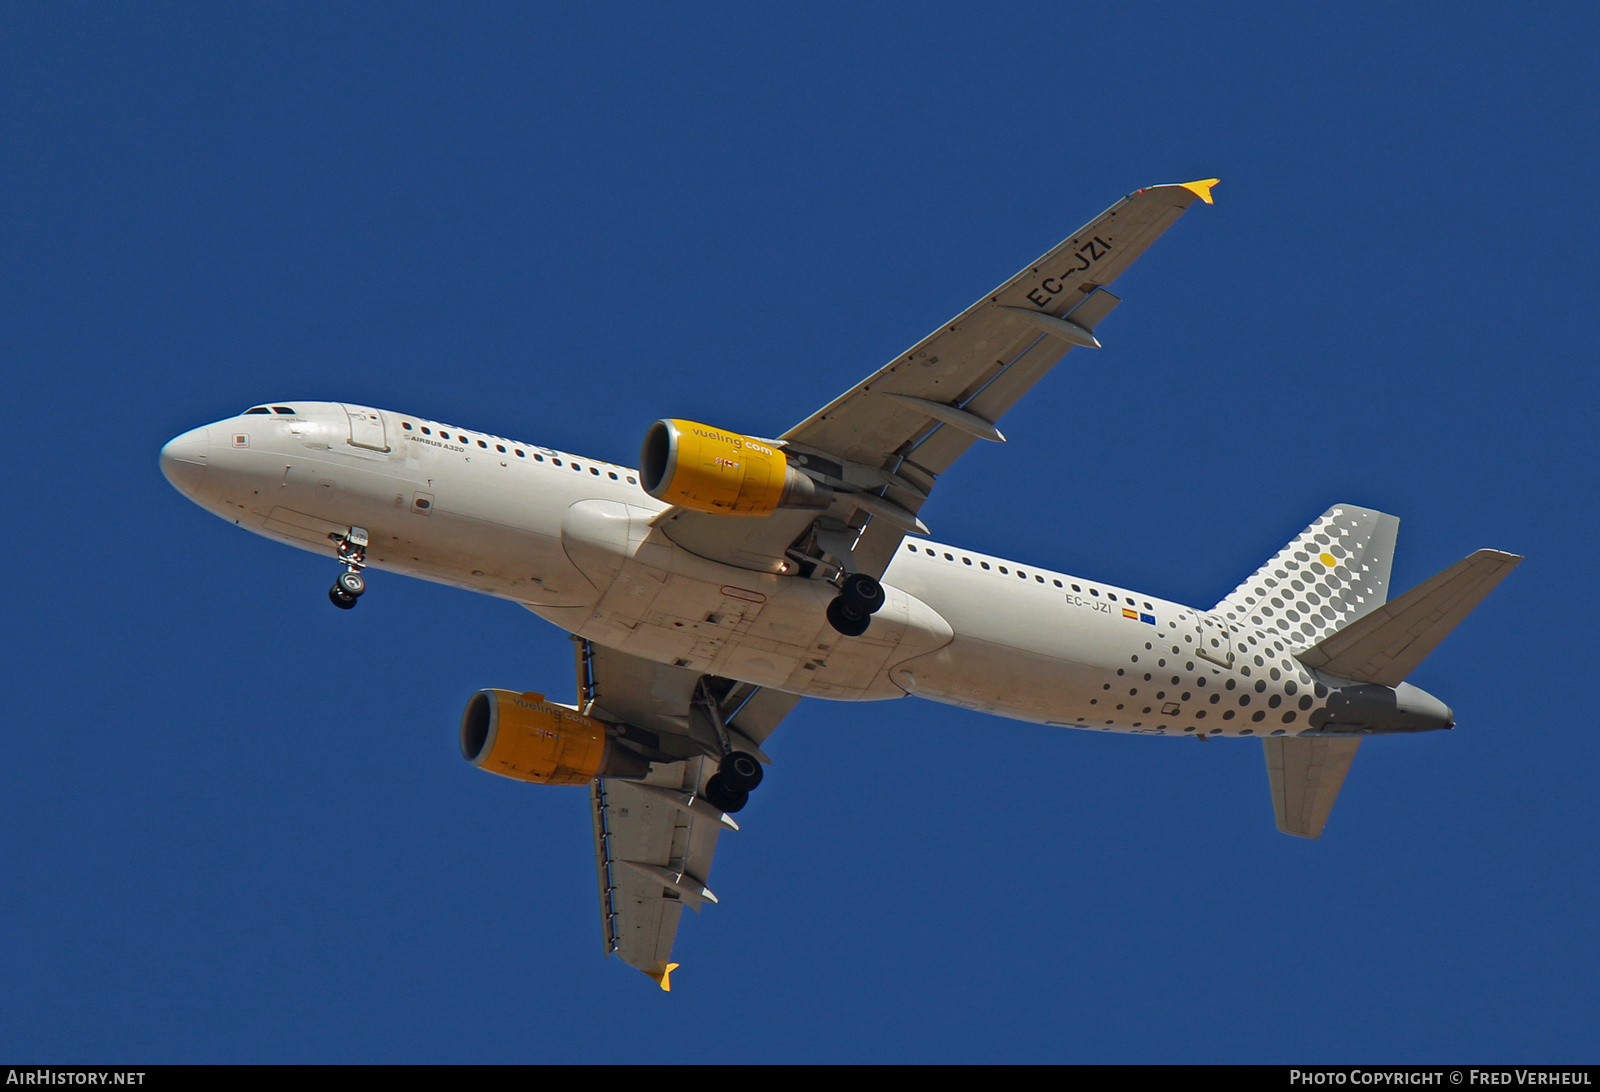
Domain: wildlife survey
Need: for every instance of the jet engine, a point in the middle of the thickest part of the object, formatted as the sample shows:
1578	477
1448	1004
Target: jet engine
522	736
708	470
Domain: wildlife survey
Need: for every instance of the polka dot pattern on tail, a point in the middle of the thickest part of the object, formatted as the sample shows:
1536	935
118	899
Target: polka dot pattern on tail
1334	572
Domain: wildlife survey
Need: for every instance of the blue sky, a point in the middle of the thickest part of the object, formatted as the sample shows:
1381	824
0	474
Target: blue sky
234	825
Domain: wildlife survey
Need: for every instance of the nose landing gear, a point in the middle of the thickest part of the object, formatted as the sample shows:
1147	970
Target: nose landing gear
860	597
348	587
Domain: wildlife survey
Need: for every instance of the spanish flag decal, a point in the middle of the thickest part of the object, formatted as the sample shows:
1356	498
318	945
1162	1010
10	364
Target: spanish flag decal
1147	619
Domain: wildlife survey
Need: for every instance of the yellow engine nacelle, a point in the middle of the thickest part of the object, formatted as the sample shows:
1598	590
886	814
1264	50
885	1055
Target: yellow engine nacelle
527	738
708	470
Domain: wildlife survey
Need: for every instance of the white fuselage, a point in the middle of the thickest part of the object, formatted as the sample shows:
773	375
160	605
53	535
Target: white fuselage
572	539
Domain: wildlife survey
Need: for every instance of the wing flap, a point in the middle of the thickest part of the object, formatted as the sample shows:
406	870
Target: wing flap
964	356
653	859
654	839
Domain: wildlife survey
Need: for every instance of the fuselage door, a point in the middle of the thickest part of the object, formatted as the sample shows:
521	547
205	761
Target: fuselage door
1215	643
366	428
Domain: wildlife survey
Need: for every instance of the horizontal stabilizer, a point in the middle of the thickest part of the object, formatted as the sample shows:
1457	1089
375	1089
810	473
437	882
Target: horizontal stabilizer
1305	773
1387	644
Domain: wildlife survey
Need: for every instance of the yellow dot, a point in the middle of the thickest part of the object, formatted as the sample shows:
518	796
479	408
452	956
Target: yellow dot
1328	560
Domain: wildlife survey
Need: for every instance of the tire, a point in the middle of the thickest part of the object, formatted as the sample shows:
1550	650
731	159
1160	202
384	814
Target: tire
341	598
848	617
351	584
719	795
865	591
739	771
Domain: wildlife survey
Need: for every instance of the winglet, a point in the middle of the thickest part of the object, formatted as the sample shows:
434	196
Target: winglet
1202	188
664	978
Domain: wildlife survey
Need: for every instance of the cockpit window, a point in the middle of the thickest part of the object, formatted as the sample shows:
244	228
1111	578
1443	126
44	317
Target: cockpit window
258	409
282	409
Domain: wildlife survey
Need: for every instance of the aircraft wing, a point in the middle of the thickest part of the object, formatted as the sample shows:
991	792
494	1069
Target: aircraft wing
654	839
916	415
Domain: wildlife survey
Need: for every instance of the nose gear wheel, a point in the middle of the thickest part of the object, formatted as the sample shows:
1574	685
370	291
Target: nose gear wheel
352	550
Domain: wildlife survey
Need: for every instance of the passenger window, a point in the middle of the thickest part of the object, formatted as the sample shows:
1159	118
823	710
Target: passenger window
556	461
519	453
613	475
984	564
426	431
463	439
1057	583
596	473
406	425
966	561
501	448
1040	579
1005	570
631	481
911	546
1094	591
1076	588
536	458
947	557
482	444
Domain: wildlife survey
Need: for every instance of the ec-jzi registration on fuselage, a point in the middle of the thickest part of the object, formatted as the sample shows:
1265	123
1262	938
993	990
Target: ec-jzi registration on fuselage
728	576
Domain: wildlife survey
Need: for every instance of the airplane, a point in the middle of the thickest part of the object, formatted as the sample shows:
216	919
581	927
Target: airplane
727	576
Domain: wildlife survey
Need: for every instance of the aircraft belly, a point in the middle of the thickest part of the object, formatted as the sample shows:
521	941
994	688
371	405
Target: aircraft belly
666	604
1021	649
1001	678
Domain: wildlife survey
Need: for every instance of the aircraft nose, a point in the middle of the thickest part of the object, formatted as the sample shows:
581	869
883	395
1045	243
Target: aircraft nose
184	460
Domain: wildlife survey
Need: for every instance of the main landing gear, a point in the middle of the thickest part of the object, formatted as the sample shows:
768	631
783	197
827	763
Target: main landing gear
729	788
739	771
860	597
348	587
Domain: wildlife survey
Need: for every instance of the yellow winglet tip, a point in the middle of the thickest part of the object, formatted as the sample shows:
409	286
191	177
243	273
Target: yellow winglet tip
1202	188
664	979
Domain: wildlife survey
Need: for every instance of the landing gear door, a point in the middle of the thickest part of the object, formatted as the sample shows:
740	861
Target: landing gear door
1215	644
366	428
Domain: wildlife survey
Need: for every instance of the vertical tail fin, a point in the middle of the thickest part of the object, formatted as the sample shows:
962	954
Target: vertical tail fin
1335	571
